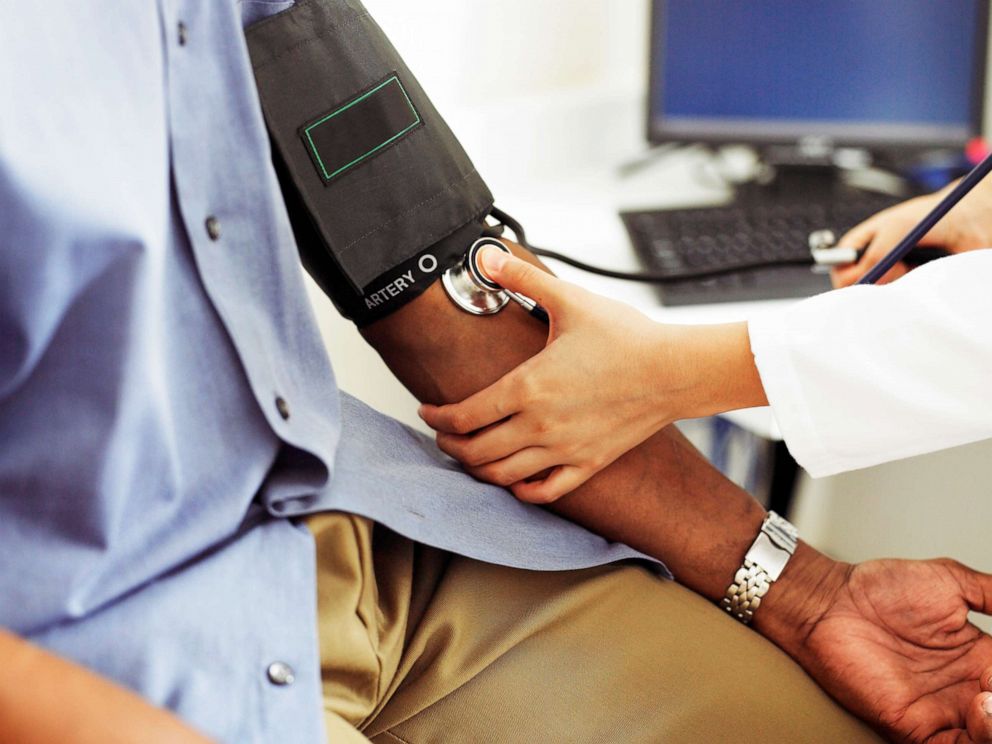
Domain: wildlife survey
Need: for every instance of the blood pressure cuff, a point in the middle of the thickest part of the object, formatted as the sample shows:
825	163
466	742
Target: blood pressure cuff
381	195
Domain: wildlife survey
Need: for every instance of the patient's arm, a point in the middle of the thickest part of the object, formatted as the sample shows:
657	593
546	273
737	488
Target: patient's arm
905	660
662	497
44	699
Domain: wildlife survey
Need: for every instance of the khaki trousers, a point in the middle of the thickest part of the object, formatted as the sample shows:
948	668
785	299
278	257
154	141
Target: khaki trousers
419	645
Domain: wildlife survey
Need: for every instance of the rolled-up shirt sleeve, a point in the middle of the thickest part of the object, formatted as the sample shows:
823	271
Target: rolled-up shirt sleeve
870	374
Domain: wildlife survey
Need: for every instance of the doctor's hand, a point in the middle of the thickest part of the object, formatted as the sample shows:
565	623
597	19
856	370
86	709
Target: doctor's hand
968	226
891	641
607	379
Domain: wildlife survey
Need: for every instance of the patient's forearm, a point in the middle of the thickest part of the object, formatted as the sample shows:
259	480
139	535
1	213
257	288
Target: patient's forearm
662	497
46	700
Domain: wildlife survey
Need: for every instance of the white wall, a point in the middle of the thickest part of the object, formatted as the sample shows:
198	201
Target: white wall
469	52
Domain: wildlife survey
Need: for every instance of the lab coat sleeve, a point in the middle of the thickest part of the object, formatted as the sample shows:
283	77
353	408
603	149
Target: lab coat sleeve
870	374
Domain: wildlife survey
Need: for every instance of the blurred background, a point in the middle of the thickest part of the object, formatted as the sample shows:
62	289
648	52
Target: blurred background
548	97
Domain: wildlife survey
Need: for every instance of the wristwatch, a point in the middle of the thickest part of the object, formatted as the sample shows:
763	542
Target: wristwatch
763	564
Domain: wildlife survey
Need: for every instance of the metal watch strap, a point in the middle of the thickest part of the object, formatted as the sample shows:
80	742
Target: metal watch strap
763	564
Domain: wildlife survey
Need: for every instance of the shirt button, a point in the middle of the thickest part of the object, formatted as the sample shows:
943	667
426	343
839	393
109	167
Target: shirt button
212	225
281	674
181	33
283	407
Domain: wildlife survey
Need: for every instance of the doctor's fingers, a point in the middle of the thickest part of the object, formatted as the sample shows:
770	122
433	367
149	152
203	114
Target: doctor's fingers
845	276
882	232
490	444
877	235
562	480
501	399
864	236
864	232
879	239
526	463
518	275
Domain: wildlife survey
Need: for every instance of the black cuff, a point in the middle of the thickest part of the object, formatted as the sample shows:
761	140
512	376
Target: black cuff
381	195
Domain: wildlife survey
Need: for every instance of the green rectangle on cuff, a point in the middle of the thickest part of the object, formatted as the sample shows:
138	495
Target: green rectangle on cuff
359	129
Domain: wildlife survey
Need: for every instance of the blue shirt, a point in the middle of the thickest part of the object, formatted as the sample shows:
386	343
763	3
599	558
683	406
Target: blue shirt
166	404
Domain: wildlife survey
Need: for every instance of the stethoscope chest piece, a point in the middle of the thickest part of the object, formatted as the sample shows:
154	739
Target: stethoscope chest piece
469	288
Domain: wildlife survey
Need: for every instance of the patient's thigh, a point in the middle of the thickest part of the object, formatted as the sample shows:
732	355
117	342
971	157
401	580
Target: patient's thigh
603	655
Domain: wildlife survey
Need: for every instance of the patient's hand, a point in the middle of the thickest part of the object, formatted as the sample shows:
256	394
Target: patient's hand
893	644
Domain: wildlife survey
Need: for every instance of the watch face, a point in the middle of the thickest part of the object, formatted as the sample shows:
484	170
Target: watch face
782	532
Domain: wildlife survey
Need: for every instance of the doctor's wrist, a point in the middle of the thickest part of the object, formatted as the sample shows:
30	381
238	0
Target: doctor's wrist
713	369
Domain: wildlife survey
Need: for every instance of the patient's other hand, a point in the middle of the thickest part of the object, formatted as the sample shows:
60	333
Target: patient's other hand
893	644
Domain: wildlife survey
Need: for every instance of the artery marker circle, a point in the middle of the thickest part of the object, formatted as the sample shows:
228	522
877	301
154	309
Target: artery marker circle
427	263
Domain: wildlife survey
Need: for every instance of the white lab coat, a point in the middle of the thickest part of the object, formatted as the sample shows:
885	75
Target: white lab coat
866	375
